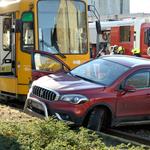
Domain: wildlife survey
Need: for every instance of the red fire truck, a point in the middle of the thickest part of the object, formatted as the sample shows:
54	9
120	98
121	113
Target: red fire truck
127	32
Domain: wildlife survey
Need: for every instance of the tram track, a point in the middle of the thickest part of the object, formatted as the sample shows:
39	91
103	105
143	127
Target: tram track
127	136
13	103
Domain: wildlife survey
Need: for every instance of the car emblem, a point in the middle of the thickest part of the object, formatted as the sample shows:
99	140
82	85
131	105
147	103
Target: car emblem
41	93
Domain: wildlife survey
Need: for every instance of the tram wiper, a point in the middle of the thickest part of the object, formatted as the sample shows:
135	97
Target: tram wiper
48	45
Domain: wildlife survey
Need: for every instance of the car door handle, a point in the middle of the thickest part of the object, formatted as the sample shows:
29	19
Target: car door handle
147	95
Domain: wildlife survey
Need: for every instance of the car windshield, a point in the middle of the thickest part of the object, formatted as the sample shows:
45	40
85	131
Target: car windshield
99	71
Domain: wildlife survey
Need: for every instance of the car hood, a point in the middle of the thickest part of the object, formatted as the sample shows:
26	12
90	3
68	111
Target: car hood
64	83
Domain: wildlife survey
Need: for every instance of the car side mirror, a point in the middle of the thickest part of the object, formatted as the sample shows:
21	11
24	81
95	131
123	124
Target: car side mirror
129	88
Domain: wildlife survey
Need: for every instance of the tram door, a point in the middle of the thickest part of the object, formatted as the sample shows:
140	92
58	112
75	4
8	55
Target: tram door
7	46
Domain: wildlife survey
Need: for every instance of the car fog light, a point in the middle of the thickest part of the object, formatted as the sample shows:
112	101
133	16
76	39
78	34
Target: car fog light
63	116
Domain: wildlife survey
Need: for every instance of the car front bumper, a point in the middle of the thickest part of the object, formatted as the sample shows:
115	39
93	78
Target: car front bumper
39	109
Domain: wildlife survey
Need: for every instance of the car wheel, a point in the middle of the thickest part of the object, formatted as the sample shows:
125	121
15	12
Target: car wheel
96	119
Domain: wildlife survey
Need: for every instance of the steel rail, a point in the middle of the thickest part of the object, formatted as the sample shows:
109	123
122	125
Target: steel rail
13	103
127	136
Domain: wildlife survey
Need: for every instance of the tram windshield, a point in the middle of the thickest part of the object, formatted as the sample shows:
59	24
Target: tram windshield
62	27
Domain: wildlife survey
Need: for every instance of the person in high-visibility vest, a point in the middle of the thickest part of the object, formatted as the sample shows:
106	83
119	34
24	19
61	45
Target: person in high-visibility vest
121	50
136	52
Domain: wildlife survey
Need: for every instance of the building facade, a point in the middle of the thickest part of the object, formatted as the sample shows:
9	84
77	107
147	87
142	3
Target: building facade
110	7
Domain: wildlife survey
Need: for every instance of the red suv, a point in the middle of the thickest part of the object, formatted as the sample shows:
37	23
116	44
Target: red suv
108	91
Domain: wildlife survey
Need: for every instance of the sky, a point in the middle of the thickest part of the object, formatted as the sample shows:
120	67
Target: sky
138	6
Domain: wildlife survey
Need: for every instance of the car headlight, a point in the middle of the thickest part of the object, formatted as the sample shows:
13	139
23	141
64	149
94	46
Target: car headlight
74	98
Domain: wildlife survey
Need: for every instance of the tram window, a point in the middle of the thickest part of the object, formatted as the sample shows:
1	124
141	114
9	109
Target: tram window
125	33
28	37
27	40
6	34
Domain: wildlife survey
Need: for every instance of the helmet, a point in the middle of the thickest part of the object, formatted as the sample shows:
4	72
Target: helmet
120	49
136	51
115	47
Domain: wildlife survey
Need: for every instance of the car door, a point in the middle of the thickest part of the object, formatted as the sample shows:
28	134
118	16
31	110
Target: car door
44	63
134	105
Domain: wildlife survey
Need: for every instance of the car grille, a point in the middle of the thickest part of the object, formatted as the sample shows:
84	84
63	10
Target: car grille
44	93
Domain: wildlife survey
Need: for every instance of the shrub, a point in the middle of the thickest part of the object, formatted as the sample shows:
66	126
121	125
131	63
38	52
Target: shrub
49	134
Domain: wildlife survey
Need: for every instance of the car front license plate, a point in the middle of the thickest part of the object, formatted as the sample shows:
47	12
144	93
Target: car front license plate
37	105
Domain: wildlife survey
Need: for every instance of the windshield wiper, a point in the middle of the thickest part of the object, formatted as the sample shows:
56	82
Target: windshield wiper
48	45
85	78
88	80
70	73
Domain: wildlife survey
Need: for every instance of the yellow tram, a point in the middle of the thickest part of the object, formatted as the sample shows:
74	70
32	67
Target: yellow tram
58	27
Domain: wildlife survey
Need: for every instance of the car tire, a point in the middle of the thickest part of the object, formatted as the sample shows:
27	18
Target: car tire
96	119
